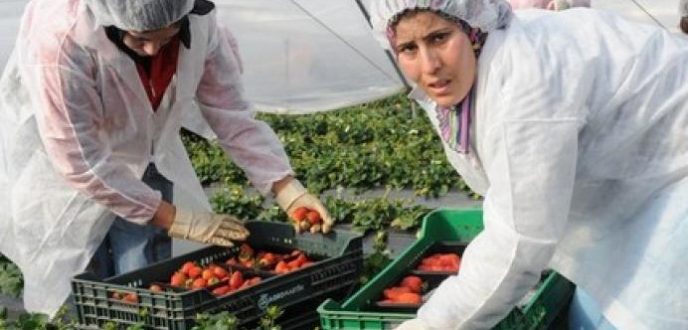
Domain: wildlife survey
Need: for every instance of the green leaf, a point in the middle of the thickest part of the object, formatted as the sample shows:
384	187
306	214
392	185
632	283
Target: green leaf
11	280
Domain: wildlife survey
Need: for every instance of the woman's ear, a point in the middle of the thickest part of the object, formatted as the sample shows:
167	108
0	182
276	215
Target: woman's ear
524	4
552	5
558	5
684	24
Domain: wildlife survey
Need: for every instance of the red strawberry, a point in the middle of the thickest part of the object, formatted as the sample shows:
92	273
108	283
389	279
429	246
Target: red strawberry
314	217
300	213
414	283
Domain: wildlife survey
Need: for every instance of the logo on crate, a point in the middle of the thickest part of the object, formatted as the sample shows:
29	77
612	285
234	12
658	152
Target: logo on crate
266	299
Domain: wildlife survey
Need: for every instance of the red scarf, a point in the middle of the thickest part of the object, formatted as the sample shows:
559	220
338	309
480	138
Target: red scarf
163	67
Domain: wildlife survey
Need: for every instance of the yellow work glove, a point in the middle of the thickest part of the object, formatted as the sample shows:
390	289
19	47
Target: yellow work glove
413	324
294	197
207	228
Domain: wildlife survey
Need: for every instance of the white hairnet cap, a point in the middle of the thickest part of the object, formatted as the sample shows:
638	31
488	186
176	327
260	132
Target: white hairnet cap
549	4
487	15
139	15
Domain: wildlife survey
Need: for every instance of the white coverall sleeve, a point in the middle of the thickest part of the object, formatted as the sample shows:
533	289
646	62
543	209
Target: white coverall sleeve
530	164
251	143
70	123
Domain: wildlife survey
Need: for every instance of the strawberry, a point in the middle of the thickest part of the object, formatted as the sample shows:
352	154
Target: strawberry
199	283
131	298
254	281
155	288
221	291
187	266
245	252
281	268
394	292
178	279
236	280
314	217
414	283
408	298
195	271
220	272
266	260
207	274
300	213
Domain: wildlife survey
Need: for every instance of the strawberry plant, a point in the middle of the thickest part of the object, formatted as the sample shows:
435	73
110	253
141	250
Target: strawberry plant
36	321
378	259
222	320
234	200
11	282
227	321
363	147
364	215
210	162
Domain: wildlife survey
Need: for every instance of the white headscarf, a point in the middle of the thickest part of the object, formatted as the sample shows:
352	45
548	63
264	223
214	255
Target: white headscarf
549	4
486	15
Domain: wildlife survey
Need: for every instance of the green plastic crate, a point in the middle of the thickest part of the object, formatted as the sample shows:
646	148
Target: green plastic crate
335	274
443	225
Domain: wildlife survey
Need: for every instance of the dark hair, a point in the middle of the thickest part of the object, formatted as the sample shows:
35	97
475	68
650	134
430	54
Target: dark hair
684	24
413	11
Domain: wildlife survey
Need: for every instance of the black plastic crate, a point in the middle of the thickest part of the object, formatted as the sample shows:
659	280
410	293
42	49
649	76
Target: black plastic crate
334	274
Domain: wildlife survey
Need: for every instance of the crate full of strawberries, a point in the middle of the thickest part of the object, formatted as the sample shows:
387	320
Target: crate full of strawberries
275	267
397	292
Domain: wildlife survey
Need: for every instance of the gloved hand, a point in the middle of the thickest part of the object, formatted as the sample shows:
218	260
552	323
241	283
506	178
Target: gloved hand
208	228
413	324
293	196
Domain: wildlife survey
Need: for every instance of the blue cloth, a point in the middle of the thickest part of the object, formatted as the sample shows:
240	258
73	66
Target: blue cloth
128	246
585	314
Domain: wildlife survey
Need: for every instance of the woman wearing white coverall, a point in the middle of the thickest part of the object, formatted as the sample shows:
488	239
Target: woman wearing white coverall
80	127
573	125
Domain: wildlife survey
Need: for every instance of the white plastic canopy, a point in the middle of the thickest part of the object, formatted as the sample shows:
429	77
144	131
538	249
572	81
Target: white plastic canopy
303	56
308	55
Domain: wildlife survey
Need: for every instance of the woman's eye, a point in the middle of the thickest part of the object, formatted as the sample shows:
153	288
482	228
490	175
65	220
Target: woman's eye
439	37
406	49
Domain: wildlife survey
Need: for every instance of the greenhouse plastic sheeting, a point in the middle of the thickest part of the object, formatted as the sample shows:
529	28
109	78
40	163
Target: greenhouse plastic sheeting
308	55
304	56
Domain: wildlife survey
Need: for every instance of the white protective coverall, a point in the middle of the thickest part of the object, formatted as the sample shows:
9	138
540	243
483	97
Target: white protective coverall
77	131
580	147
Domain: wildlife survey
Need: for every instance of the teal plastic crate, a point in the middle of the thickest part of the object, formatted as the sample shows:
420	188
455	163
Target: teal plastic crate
443	225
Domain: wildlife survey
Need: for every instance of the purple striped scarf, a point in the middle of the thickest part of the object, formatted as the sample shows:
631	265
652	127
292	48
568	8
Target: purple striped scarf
455	123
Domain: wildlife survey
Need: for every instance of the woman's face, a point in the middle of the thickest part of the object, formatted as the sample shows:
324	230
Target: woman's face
437	55
149	43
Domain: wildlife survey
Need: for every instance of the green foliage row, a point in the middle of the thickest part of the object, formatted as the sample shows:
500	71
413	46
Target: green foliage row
374	145
61	321
36	321
11	281
378	259
365	214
